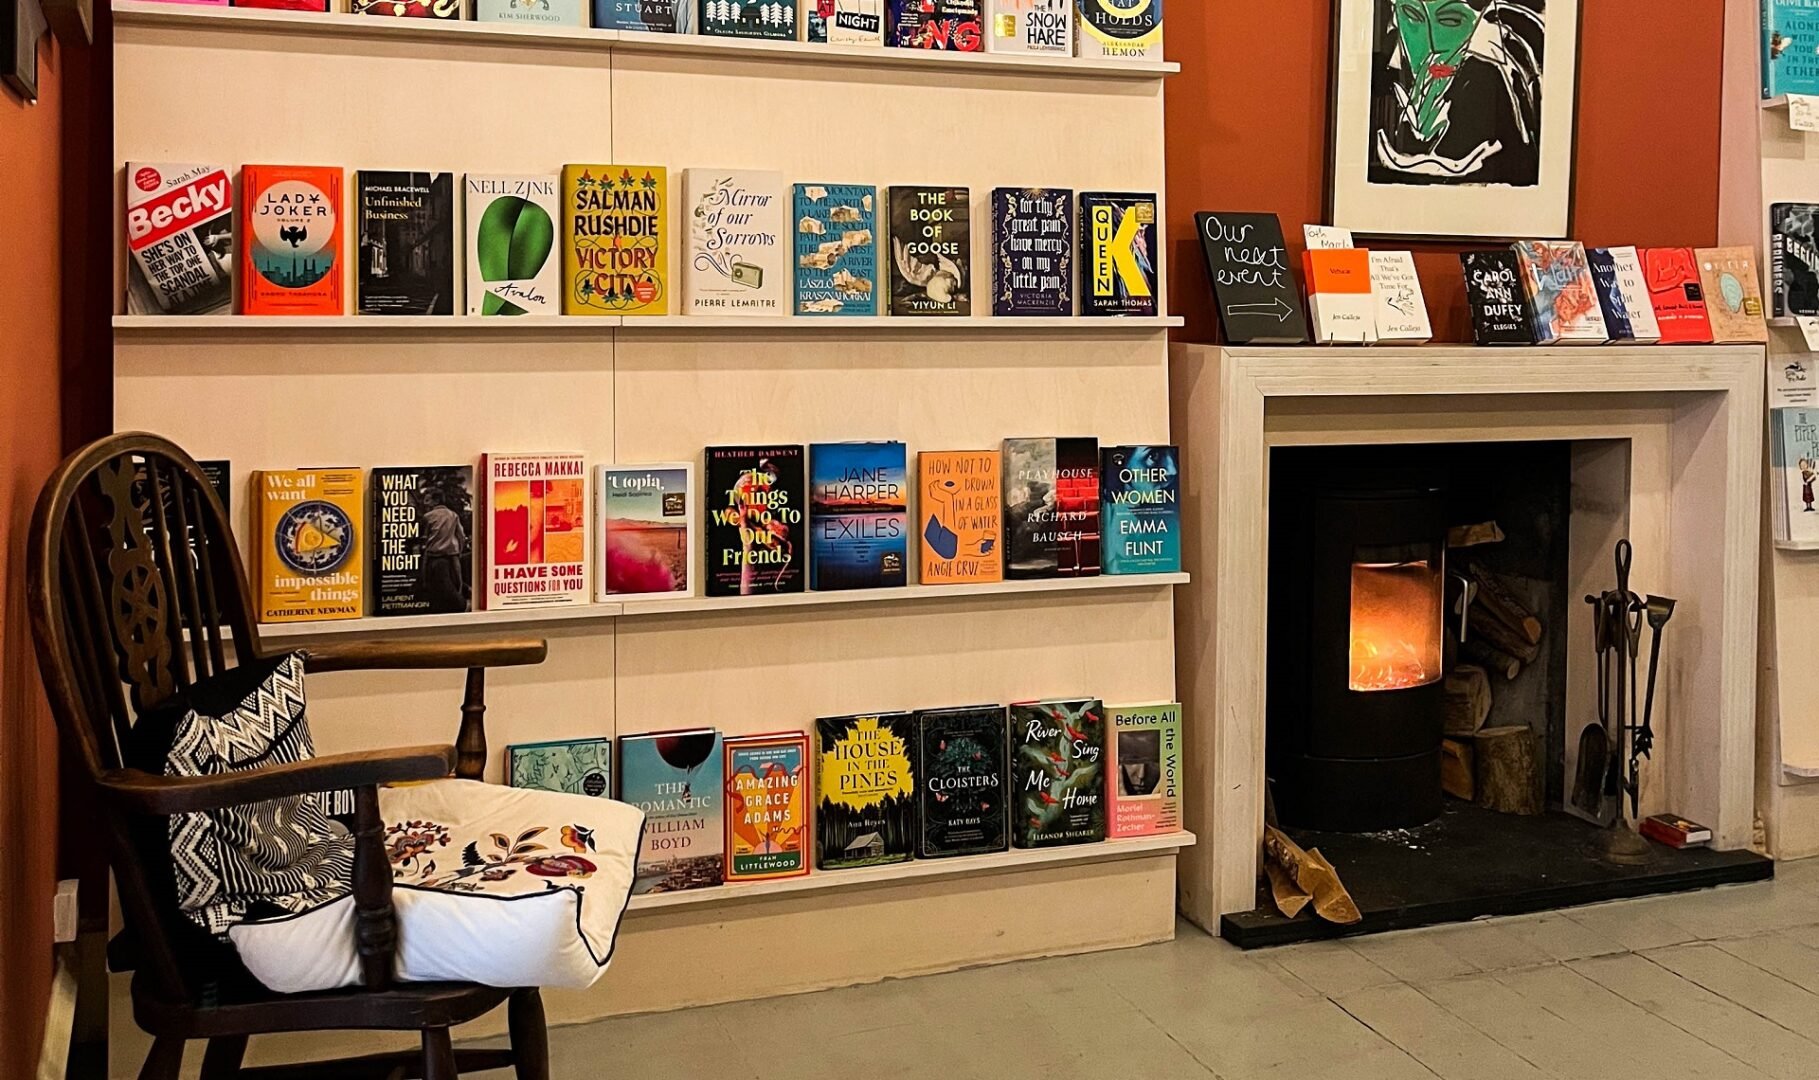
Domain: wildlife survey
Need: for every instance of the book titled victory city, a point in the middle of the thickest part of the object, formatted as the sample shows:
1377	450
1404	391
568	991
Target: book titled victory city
534	514
1051	508
406	256
615	260
1118	250
1253	287
836	249
1032	251
512	264
180	231
931	251
865	790
419	546
963	781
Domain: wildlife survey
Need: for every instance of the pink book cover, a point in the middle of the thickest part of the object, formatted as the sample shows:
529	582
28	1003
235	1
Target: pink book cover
1143	774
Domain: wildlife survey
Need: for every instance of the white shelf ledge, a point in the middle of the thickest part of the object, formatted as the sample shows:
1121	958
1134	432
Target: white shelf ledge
1797	545
385	324
919	870
129	14
814	324
695	605
806	325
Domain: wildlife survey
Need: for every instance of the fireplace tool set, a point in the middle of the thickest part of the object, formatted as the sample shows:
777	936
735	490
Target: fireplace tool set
1611	751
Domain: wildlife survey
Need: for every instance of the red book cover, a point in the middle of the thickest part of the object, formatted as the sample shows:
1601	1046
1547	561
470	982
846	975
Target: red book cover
285	5
1675	831
291	237
534	513
1673	287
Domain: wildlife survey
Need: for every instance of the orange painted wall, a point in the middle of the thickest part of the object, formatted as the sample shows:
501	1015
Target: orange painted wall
1247	122
30	446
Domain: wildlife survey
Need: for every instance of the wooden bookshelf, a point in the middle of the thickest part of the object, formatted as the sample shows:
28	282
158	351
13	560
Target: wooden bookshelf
600	324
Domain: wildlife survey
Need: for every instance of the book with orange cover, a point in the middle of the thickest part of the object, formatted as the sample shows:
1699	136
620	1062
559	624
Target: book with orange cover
767	806
291	237
1674	289
535	514
307	558
961	516
1340	301
1733	295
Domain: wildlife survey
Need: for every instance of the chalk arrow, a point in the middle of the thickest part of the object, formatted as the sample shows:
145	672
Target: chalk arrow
1275	307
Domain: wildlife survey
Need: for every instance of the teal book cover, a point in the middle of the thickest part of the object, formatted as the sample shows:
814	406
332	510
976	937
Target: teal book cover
836	251
1790	47
576	766
675	777
1058	772
858	515
1140	508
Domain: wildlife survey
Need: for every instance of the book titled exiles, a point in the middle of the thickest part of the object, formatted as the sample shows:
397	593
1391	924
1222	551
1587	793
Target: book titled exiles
651	16
534	512
1042	27
1733	295
1253	287
836	253
1032	251
1143	760
963	781
865	790
1562	298
577	766
961	512
291	233
645	521
767	780
512	264
419	547
614	256
931	251
406	223
675	777
1493	287
1118	250
1051	508
735	258
307	560
749	18
955	25
757	520
1793	259
180	231
1678	297
858	515
1140	488
1120	29
1058	772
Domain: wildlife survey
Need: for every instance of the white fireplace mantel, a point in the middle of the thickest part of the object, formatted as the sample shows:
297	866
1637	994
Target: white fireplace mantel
1668	451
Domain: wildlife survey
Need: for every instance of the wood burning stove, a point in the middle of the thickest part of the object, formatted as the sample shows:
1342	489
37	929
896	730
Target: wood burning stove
1356	638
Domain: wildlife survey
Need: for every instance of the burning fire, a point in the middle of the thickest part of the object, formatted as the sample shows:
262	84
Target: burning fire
1396	625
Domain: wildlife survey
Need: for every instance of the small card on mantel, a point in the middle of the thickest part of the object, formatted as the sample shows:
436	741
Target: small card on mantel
1253	287
1327	237
1401	306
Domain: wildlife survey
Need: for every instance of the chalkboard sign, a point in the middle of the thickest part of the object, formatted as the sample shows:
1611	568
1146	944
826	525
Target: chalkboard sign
1252	283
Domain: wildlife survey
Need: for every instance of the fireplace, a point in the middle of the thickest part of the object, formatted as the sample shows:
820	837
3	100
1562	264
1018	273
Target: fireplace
1356	639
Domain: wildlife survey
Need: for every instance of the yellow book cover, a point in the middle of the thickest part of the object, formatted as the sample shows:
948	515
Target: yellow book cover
615	222
766	806
960	513
308	561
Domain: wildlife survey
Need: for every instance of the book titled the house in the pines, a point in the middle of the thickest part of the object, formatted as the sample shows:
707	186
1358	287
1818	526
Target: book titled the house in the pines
1032	251
865	784
1051	508
1118	248
858	515
407	242
757	520
420	545
931	251
676	778
1140	488
1058	772
962	779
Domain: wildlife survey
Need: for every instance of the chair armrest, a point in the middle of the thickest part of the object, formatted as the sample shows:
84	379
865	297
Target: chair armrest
144	793
378	655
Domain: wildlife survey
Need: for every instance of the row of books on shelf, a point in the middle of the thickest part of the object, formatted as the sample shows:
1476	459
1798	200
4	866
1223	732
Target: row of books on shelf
884	787
599	240
1535	292
1104	29
338	543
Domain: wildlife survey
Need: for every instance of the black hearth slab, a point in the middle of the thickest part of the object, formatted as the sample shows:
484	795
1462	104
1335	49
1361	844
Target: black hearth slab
1470	863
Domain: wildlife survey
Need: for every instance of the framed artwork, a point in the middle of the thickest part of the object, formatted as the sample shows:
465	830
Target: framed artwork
1454	118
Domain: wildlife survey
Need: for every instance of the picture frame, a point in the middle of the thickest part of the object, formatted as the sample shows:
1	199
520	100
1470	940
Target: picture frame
1482	146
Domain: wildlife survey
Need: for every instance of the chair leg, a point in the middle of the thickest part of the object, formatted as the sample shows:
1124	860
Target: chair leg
438	1055
165	1060
530	1035
221	1061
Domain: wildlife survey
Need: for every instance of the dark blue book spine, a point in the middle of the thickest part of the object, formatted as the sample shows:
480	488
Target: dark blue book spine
1032	251
1617	322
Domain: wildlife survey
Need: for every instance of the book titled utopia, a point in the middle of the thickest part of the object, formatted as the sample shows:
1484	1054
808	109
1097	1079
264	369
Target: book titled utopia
675	778
1140	488
767	780
645	521
420	550
757	520
535	516
180	231
292	237
308	560
1058	772
961	514
836	253
865	787
858	515
963	777
1051	508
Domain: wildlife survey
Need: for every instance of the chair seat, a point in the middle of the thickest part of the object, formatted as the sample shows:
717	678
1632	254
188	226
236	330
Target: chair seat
248	1009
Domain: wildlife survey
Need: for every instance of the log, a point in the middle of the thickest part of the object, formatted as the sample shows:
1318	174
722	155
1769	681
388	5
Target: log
1456	776
1491	658
1507	769
1498	634
1468	700
1462	536
1501	601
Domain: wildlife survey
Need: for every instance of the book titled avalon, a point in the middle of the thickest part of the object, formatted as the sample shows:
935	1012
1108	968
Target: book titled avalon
1051	508
931	251
1493	288
1118	249
1562	298
1041	27
963	781
757	535
420	549
675	777
1058	772
961	511
180	231
576	766
1790	47
614	257
1253	287
767	806
953	25
645	518
749	18
1120	29
532	12
1794	259
1678	297
308	560
836	252
865	790
650	16
1143	765
406	224
1032	251
512	265
734	263
1141	509
1733	295
291	230
534	511
858	515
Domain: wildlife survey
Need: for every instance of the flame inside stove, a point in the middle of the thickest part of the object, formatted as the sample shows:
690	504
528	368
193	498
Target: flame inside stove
1396	625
